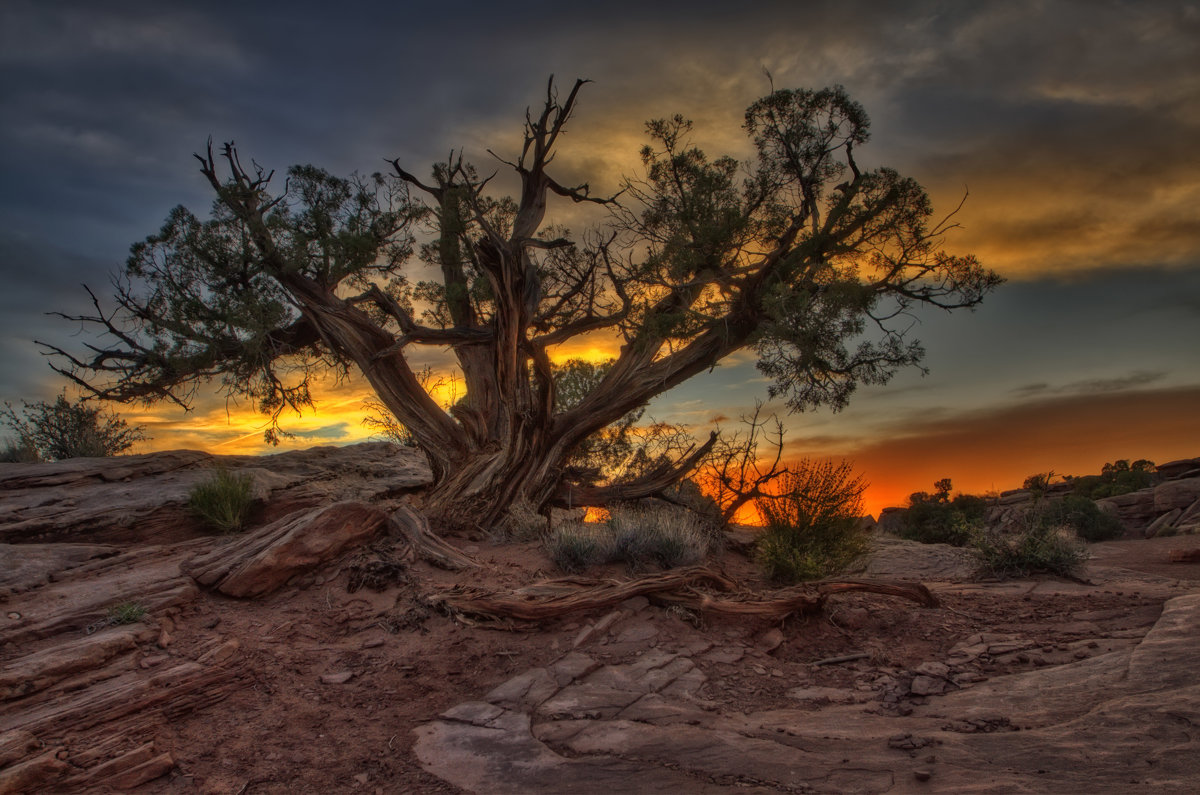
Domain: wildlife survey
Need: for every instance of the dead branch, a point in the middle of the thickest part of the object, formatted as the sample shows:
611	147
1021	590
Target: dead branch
427	545
560	597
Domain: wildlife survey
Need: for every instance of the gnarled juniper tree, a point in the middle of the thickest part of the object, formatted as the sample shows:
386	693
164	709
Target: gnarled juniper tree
800	254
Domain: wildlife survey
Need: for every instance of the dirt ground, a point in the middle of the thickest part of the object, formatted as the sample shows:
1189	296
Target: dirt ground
334	682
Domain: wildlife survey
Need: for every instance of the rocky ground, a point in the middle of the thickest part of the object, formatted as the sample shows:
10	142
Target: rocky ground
343	680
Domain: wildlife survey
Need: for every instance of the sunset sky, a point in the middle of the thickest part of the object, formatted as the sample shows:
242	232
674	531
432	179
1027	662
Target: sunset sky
1073	127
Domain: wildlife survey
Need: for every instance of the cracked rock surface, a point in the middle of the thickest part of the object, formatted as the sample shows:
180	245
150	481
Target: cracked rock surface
1124	719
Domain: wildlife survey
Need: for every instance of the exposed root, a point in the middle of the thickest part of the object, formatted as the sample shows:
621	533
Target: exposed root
560	597
427	545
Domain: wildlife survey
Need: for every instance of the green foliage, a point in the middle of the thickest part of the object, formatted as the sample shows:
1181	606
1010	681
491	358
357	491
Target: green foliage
1081	515
812	525
125	613
1039	547
224	501
64	429
640	537
1116	478
1039	482
19	452
938	519
798	253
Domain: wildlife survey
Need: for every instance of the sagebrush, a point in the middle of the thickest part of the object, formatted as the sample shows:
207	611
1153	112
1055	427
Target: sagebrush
641	537
66	429
1038	547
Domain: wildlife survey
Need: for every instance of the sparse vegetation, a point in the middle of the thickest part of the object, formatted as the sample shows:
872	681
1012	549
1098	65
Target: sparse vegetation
65	429
1039	547
1081	515
522	522
1039	482
1116	478
19	452
812	525
224	501
939	519
125	613
640	537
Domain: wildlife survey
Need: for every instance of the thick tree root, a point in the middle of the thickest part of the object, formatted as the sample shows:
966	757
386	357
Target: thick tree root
560	597
428	546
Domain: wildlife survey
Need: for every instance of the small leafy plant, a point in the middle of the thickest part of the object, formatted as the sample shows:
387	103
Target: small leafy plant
125	613
224	501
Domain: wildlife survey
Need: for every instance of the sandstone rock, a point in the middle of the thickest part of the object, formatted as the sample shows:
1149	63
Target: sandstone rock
143	498
1176	494
37	671
1163	524
32	775
933	669
1187	467
16	744
927	686
1135	510
770	640
260	562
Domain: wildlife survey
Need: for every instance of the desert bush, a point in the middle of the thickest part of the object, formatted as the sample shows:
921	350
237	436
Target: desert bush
576	546
522	522
938	519
812	525
1116	478
223	502
1039	546
665	536
1083	516
64	429
19	452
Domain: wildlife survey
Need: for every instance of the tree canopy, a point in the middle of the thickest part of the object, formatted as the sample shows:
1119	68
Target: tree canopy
800	254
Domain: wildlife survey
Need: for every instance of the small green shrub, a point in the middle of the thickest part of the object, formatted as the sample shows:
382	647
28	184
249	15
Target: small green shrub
937	519
224	501
1039	547
1083	516
125	613
812	526
1116	478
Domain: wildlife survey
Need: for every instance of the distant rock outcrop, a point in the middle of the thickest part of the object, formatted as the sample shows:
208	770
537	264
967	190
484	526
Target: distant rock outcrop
1170	507
144	497
259	563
